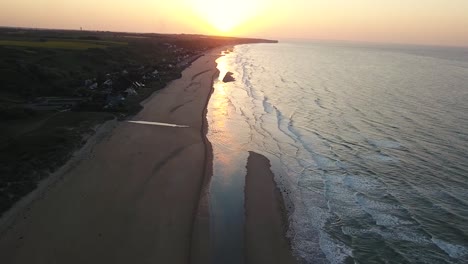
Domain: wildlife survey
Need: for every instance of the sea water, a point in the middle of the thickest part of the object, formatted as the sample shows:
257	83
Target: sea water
368	143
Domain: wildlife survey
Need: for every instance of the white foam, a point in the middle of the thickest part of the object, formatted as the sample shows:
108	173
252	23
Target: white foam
362	183
336	251
376	205
454	251
387	220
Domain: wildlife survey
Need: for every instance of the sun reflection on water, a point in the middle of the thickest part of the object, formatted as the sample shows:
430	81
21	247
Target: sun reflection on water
229	160
222	66
226	132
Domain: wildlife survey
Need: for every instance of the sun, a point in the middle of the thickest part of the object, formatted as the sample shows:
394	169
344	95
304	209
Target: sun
222	22
225	16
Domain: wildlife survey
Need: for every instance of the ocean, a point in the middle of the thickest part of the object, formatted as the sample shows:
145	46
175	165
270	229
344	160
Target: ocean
368	144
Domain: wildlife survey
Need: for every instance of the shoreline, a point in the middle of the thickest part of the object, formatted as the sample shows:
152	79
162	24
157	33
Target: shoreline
96	198
125	192
102	130
200	250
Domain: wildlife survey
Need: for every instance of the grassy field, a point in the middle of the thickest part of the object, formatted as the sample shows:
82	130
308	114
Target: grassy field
29	157
62	44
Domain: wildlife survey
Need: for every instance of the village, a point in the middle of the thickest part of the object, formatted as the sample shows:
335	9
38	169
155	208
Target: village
111	91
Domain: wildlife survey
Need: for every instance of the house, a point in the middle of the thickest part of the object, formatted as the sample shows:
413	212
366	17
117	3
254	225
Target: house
107	83
114	100
131	92
138	85
93	86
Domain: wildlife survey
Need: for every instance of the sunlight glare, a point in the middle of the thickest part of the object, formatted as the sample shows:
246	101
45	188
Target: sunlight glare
225	16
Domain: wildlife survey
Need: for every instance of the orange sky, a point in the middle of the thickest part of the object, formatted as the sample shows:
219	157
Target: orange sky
401	21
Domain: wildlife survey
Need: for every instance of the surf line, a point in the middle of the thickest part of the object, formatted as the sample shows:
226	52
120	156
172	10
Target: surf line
156	124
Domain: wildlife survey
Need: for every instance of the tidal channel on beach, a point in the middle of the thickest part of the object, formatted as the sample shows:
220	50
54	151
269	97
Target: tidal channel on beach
227	182
368	144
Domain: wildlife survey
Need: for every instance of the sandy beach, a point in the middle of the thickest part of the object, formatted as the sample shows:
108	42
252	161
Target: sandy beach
265	221
141	195
134	199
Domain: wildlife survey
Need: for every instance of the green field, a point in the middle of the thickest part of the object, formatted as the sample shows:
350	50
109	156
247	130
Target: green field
62	44
30	156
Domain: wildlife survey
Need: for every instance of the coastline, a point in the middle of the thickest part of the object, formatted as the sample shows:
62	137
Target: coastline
200	250
96	208
144	190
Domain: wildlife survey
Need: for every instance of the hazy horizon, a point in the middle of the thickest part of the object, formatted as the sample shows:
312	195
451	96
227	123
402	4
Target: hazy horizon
432	22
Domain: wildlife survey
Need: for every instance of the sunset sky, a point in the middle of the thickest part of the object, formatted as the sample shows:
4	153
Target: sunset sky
441	22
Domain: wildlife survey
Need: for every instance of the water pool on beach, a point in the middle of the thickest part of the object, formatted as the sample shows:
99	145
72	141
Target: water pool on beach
369	146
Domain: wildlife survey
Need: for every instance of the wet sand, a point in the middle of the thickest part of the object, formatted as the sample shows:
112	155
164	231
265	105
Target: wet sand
265	221
135	198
